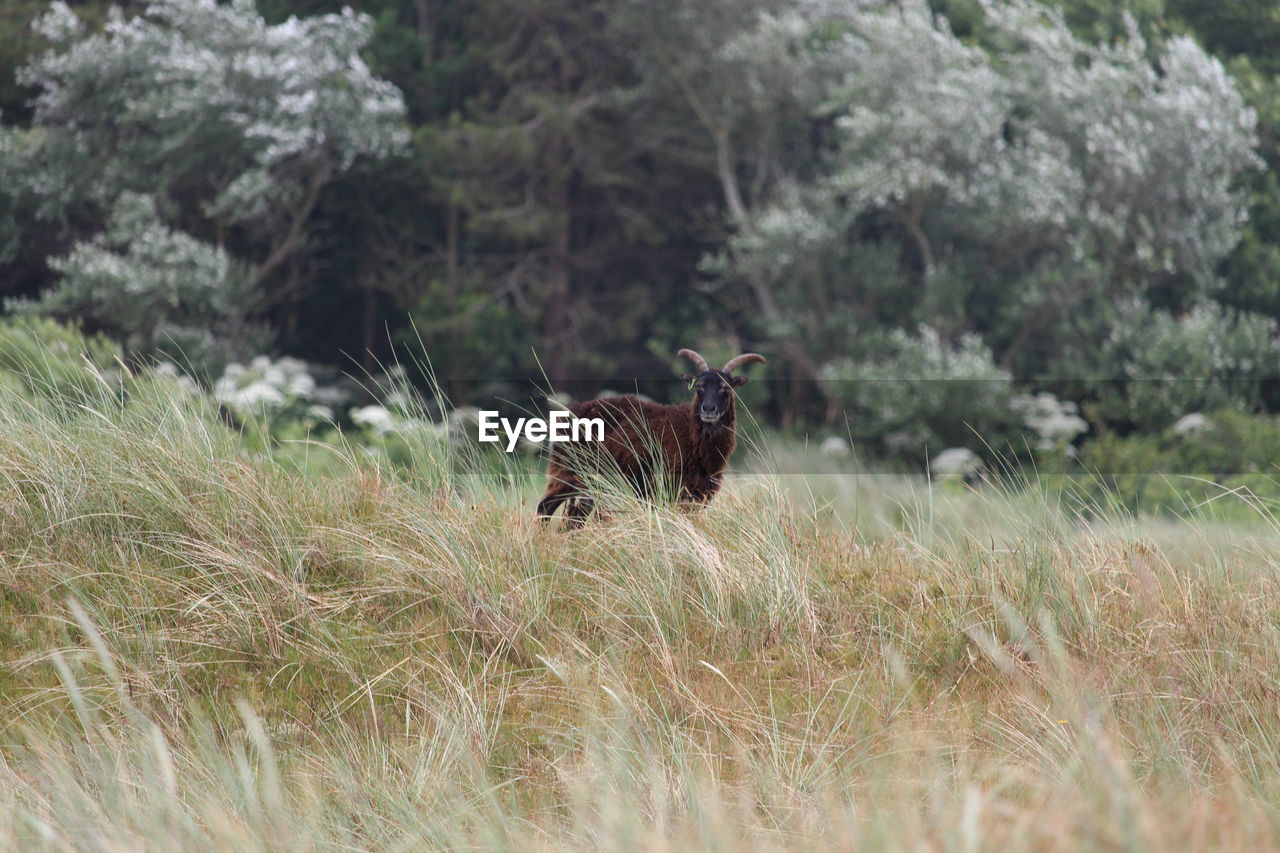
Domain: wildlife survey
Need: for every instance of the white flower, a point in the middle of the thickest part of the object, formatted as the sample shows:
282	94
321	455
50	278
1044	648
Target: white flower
256	396
835	447
292	366
422	428
271	386
300	385
1191	423
375	418
464	420
396	399
169	370
59	23
1055	422
956	462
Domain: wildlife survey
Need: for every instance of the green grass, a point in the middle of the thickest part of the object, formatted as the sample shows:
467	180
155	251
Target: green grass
205	649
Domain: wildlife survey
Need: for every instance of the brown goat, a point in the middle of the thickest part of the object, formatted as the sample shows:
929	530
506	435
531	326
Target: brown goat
691	443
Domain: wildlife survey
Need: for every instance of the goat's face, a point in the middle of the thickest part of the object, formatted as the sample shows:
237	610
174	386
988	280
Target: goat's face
713	393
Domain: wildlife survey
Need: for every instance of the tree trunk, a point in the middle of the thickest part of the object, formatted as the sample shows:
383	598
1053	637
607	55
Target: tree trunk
369	328
910	219
425	36
555	332
454	386
790	347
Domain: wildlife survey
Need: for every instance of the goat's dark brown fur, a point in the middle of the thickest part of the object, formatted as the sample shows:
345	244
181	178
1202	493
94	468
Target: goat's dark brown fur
642	437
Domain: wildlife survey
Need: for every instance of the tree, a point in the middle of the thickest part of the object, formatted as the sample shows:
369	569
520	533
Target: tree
553	177
231	127
1047	182
735	87
158	290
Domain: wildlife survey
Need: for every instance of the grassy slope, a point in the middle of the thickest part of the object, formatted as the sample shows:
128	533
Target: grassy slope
201	649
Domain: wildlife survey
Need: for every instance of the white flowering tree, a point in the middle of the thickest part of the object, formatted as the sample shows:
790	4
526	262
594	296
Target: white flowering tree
230	126
167	292
918	116
1117	160
1052	145
1025	186
919	394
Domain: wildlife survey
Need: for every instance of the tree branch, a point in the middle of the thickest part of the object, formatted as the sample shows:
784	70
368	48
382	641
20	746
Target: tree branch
292	239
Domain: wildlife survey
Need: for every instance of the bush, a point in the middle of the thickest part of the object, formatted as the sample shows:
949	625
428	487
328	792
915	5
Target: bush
40	357
159	291
1177	470
926	395
1203	360
1053	423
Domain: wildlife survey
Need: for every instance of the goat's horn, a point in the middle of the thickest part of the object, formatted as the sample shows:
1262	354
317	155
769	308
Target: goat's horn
739	360
698	361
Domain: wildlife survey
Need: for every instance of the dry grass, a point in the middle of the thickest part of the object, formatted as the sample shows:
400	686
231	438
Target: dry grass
200	649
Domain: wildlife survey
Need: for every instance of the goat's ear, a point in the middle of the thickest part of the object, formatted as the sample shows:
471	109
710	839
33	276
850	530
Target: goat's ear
688	377
738	381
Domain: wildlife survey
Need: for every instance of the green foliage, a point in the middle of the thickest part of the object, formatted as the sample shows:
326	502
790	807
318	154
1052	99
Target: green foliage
554	173
200	143
1024	187
1052	424
159	291
277	401
16	47
462	330
1193	466
593	185
923	395
302	416
40	358
194	89
1170	366
15	205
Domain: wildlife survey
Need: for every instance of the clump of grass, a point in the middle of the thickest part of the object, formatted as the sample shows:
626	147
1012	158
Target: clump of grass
204	648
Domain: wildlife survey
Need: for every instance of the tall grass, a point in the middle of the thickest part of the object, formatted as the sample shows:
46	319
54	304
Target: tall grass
203	648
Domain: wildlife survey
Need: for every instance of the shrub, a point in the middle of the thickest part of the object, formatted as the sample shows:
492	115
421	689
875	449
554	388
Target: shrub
41	357
159	291
1168	365
1180	469
1054	423
926	395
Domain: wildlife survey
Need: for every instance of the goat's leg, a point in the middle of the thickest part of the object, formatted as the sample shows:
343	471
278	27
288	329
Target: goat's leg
698	492
580	506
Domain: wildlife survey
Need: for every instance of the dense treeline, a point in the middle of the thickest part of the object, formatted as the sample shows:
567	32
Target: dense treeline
906	205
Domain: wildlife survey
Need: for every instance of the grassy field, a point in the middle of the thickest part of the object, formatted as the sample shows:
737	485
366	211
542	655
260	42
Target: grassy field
204	649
